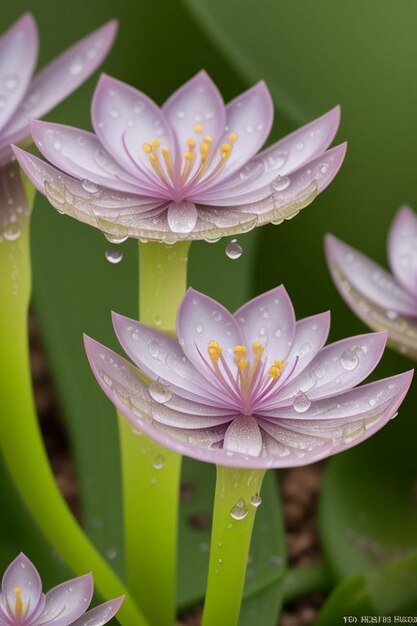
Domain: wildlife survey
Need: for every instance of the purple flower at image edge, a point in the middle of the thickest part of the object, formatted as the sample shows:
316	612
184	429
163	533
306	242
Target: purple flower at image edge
189	170
383	300
253	389
22	602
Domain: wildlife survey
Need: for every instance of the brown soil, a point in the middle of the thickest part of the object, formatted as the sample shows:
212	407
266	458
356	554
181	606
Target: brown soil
299	489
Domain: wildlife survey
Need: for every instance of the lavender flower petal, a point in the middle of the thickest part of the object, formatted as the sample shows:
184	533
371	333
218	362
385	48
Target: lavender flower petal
21	584
66	602
100	614
402	249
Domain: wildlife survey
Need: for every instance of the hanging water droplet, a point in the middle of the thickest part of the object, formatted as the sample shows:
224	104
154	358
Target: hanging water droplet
256	500
239	511
113	256
199	327
234	249
12	232
111	553
89	186
157	320
115	238
281	183
301	402
349	360
160	393
158	462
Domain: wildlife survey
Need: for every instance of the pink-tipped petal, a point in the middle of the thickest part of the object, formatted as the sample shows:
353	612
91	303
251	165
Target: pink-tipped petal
60	78
66	602
125	119
197	102
270	320
100	614
80	154
18	54
337	367
22	574
243	436
402	248
250	117
367	277
182	217
201	320
161	358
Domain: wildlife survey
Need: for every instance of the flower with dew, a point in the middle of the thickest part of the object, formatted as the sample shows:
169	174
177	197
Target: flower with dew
22	602
251	389
383	300
188	170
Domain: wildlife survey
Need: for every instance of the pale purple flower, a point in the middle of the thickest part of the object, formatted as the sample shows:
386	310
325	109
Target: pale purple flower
23	96
383	300
22	602
188	170
255	389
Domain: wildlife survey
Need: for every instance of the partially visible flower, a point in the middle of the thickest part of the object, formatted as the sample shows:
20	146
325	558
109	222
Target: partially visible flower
187	171
253	389
22	602
383	300
23	97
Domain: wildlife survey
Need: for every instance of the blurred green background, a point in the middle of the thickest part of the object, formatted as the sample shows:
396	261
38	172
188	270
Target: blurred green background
313	55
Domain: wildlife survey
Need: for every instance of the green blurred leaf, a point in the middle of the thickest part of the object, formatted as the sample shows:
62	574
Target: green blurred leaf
267	553
348	599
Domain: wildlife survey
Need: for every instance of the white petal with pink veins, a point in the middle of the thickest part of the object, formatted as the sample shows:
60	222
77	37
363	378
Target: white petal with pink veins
60	78
402	248
369	278
270	320
197	104
243	436
18	54
80	154
182	217
66	602
124	117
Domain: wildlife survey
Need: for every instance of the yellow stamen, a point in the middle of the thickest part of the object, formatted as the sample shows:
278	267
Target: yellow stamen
189	155
225	151
166	153
257	348
215	351
208	138
155	143
239	352
190	144
232	137
18	604
242	364
204	148
198	128
146	147
276	368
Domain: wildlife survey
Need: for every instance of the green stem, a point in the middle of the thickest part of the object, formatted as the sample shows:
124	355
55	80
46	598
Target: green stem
20	437
151	473
233	518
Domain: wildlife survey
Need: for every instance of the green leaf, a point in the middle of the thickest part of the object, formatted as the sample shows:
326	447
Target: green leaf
267	562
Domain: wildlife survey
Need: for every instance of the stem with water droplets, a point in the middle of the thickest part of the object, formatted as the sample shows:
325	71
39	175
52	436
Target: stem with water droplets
151	473
20	437
235	502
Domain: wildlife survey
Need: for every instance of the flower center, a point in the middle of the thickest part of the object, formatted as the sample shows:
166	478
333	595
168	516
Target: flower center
194	164
250	382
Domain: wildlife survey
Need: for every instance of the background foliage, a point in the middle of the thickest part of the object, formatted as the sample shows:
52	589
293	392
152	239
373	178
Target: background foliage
312	55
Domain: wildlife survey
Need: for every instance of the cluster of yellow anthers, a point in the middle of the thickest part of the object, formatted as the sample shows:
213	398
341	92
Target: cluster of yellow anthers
18	604
240	352
189	157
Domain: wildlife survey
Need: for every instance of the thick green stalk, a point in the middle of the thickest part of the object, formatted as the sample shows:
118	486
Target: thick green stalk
235	502
151	474
20	438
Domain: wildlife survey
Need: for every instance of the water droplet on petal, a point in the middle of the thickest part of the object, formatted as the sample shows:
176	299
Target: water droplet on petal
157	320
281	183
114	113
115	238
234	249
300	145
301	402
88	185
349	360
76	67
11	82
239	511
199	327
158	462
113	256
57	145
256	500
160	393
154	349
